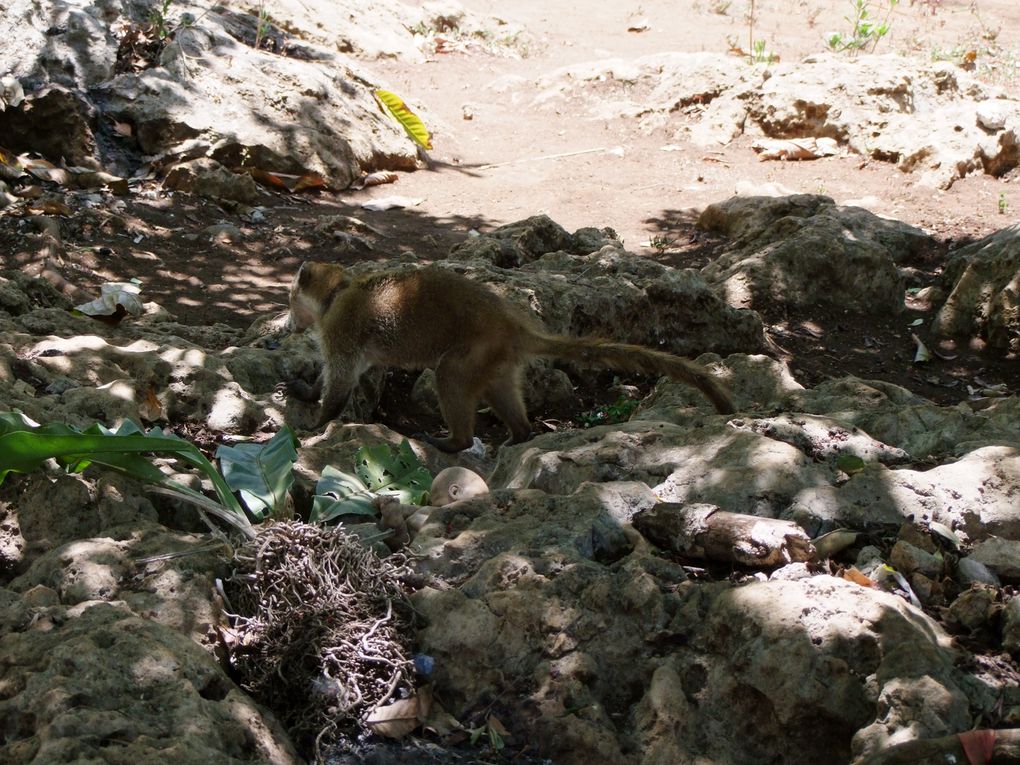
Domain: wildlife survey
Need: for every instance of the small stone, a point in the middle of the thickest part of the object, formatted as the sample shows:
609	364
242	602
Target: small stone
908	559
973	608
791	572
1001	556
992	115
969	571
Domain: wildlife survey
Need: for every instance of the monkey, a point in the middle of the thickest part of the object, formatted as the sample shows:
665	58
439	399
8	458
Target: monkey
477	341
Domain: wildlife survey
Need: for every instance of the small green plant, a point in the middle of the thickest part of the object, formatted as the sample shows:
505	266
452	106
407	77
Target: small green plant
377	471
159	20
865	33
1003	203
760	56
609	414
262	474
661	243
264	26
752	19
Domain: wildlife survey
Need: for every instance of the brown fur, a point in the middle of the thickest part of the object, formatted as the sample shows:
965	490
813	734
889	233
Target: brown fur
477	342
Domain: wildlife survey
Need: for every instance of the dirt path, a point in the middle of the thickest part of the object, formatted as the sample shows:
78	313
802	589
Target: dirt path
636	187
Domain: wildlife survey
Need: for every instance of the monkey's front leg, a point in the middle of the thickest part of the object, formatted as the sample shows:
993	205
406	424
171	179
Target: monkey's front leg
337	386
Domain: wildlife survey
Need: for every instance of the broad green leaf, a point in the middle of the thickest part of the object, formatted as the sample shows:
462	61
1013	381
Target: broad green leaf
25	446
402	474
377	470
338	493
408	119
262	473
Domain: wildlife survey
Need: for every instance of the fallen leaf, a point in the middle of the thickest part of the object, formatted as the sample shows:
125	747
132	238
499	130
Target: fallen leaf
50	207
45	171
835	541
410	121
854	575
10	168
922	353
978	745
151	408
389	203
374	179
285	181
945	532
398	719
798	148
112	295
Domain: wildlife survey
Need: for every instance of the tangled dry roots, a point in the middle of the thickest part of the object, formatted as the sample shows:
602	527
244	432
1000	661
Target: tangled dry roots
322	628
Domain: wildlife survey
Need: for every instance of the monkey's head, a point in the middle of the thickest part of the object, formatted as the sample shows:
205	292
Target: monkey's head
312	290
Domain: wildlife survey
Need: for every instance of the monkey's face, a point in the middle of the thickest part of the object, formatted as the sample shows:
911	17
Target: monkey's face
314	286
304	309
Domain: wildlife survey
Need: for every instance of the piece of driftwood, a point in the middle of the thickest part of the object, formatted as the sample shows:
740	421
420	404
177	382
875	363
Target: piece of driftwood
708	533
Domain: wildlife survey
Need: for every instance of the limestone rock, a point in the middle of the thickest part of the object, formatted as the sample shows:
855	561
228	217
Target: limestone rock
984	299
933	120
331	127
805	250
208	178
93	676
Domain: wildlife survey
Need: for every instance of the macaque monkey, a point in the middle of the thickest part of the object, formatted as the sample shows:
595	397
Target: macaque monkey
477	342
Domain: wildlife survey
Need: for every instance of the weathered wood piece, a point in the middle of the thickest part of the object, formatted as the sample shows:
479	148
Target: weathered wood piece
706	532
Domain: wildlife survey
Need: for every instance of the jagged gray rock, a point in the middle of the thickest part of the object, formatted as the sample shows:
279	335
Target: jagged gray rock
806	250
983	280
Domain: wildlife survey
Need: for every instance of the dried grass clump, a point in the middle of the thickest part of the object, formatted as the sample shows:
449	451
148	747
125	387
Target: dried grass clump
322	628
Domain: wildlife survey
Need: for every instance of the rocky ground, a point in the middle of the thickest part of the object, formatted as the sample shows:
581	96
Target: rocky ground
861	305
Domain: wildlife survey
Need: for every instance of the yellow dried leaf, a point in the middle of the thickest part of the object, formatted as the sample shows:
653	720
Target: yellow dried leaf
408	119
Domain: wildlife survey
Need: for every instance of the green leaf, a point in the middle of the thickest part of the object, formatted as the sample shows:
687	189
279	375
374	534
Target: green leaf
409	120
338	493
377	470
850	463
261	473
402	474
26	445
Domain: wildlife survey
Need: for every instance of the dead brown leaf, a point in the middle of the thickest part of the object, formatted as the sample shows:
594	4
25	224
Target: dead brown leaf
151	408
978	745
854	575
398	719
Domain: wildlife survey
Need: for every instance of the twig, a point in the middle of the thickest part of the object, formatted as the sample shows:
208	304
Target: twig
543	157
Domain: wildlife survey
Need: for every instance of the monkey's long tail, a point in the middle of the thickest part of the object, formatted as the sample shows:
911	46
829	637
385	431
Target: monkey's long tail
624	357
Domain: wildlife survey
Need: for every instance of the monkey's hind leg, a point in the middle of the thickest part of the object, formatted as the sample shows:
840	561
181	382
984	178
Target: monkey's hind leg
458	385
504	398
